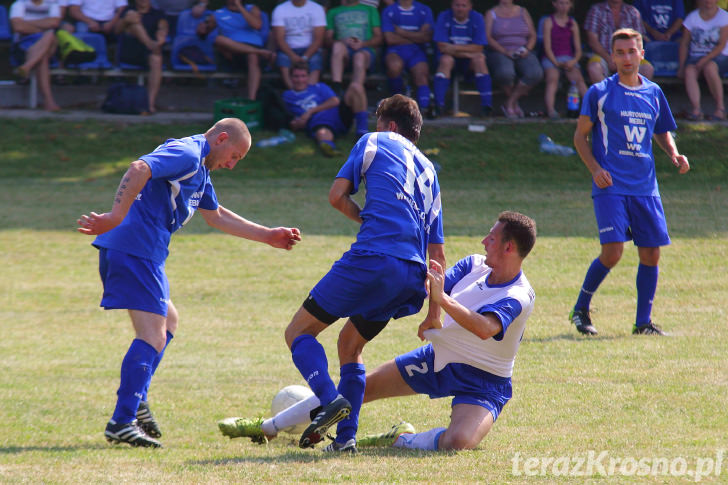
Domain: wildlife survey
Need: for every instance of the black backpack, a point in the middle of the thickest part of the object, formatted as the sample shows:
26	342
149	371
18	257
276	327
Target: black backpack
126	99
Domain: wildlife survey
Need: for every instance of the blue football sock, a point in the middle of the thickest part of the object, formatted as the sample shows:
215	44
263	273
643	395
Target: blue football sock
351	386
155	364
362	122
396	85
310	359
440	85
136	370
423	96
646	288
594	277
484	87
330	143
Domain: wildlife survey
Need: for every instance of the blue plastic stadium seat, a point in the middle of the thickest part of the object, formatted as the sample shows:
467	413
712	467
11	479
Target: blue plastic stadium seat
5	33
664	57
98	42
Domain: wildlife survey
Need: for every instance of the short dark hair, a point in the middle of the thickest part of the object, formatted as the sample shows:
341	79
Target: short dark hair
404	112
299	66
519	229
626	34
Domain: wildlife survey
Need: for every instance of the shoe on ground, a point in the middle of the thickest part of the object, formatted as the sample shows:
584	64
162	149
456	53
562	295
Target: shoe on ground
243	428
583	322
329	415
328	150
129	433
146	421
388	438
348	447
648	329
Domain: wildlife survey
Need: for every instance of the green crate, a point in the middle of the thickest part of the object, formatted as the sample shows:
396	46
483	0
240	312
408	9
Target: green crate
251	112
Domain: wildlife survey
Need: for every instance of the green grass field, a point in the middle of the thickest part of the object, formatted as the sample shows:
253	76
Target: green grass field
653	405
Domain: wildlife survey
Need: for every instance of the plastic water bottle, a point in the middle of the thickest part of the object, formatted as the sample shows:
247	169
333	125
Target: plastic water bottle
283	136
547	145
572	101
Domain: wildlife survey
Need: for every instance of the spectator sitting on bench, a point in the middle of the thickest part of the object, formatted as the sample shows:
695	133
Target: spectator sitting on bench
34	42
145	31
100	16
299	27
173	8
240	35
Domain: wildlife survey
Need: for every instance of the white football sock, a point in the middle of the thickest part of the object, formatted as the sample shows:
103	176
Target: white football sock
296	414
421	441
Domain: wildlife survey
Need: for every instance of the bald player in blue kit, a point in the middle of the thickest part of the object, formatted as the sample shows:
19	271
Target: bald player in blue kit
157	195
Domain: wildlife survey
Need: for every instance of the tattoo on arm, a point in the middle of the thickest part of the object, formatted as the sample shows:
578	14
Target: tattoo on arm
120	192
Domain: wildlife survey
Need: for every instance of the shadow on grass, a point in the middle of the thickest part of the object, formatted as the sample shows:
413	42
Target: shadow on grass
573	337
315	456
16	450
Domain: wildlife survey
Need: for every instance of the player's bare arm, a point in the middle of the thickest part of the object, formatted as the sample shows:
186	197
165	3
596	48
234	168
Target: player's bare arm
131	184
667	143
340	199
484	326
436	253
231	223
601	177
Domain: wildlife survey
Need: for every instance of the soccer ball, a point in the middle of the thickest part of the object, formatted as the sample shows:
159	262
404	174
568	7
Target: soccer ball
287	397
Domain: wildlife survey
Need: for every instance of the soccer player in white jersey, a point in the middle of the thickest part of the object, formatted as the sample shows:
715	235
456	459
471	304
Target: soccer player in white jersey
382	276
157	195
470	356
622	114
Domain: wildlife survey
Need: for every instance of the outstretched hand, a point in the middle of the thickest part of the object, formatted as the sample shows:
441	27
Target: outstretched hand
96	224
284	237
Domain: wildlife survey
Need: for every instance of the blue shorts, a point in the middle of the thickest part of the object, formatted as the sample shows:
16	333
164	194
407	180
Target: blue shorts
18	49
372	287
411	54
468	384
315	63
721	60
132	283
624	217
547	64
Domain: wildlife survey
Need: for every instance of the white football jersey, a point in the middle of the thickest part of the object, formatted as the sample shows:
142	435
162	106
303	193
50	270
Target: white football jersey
511	302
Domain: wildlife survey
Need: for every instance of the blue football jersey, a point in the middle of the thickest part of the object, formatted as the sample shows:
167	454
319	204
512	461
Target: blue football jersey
402	210
298	102
449	30
412	19
624	120
180	184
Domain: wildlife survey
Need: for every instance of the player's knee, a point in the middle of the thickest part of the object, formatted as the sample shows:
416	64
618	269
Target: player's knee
457	440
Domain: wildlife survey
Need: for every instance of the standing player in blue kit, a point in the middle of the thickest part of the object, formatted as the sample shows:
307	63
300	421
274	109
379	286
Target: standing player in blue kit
621	114
382	276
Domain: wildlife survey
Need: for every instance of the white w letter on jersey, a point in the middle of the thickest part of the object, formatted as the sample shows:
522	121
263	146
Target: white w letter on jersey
632	132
